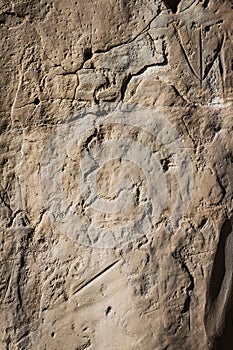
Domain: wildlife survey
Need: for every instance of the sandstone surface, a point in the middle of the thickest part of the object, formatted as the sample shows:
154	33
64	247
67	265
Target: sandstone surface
116	175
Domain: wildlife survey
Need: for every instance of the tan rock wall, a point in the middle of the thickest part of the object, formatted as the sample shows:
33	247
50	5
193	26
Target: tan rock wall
116	175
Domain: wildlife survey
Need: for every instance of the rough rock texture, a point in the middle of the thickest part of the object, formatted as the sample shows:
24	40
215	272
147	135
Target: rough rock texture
164	71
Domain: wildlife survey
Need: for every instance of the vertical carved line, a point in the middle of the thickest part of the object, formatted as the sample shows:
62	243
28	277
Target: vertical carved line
201	55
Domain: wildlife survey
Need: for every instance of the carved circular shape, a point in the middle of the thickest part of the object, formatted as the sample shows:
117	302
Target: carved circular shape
108	176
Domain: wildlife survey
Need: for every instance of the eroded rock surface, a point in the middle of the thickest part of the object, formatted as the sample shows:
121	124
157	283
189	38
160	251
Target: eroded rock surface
116	175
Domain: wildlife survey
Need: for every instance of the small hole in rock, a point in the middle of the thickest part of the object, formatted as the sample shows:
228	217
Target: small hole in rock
53	334
87	53
36	101
108	310
165	163
202	223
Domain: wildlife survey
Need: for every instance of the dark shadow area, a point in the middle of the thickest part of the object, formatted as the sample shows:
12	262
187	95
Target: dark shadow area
206	4
225	341
218	271
87	54
172	4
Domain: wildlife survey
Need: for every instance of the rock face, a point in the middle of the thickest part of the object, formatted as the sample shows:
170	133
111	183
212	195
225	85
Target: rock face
116	175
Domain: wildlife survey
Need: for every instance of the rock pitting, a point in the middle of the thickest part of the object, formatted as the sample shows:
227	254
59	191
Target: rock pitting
116	175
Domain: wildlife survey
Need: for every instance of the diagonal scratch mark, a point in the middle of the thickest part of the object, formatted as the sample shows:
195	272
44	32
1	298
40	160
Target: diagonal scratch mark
219	49
143	31
184	52
9	282
16	97
106	269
